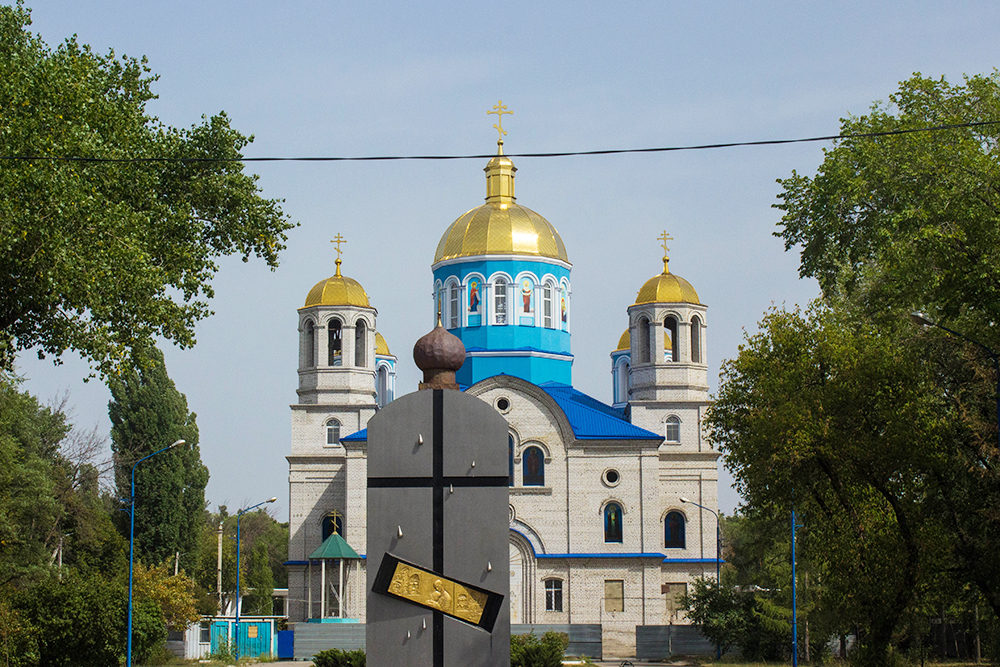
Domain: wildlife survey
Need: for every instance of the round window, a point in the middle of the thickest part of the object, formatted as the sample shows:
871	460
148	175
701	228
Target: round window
503	405
612	477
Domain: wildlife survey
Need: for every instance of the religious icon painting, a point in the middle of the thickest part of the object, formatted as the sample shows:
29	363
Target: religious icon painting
474	296
563	302
527	287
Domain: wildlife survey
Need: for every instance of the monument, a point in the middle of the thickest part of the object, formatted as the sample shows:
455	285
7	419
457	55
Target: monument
438	523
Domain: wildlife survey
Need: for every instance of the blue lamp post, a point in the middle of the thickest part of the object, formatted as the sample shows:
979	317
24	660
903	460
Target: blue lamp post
718	555
238	515
131	547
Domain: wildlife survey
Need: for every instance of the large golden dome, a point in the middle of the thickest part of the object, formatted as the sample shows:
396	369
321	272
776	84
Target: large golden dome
337	290
667	288
500	226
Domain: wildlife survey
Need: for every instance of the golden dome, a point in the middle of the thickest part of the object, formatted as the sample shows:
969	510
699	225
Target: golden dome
337	290
625	342
381	347
500	226
667	288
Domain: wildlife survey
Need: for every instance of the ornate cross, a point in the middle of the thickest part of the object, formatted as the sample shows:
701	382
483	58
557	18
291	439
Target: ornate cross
500	110
664	237
338	239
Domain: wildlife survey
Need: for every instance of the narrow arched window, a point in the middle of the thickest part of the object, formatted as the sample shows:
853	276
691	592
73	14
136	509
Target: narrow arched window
673	531
332	432
510	458
453	314
500	301
547	294
695	340
333	523
621	382
673	433
382	386
533	462
643	340
309	343
360	344
670	340
613	523
334	342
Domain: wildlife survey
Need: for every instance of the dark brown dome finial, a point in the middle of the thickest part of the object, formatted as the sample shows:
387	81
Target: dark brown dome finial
439	355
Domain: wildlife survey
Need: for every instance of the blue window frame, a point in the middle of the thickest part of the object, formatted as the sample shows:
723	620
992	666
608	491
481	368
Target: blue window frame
673	531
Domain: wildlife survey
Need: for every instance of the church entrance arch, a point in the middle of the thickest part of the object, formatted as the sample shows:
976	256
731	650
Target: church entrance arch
522	576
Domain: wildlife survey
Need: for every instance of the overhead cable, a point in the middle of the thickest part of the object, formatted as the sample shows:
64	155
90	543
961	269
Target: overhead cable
609	151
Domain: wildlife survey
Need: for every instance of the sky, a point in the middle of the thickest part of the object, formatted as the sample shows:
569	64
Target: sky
335	78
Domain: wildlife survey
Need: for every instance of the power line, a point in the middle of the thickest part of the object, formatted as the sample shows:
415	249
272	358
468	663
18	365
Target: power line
610	151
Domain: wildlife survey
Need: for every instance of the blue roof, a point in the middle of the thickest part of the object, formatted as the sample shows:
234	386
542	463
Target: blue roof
360	436
591	419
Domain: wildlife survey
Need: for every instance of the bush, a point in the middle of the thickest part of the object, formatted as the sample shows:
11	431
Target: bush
528	651
334	657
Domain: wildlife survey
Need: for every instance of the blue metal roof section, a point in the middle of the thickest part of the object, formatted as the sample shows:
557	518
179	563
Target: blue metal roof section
591	419
360	436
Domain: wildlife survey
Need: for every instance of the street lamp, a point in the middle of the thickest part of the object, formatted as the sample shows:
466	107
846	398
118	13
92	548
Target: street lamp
718	556
238	515
131	547
922	320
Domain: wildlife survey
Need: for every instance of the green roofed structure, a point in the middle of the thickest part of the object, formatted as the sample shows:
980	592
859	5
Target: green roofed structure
336	548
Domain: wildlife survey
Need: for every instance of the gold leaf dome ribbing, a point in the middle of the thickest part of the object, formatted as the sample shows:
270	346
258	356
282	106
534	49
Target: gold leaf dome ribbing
381	347
667	288
625	342
500	226
337	290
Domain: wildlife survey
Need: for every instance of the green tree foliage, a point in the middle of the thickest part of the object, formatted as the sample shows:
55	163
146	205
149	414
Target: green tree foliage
258	582
148	413
530	651
103	257
836	416
740	617
912	222
334	657
911	218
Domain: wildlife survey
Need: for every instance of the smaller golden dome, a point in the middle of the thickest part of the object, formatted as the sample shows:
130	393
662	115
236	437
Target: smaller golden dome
337	290
625	342
381	347
667	288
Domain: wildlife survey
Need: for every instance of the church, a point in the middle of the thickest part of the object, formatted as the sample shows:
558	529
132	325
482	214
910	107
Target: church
599	533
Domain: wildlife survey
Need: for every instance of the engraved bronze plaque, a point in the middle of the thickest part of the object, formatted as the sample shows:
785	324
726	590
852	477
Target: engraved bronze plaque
472	604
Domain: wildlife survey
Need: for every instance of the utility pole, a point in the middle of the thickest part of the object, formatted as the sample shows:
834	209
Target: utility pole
218	572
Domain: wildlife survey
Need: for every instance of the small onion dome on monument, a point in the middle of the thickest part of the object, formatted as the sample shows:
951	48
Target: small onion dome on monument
500	226
337	290
666	287
439	355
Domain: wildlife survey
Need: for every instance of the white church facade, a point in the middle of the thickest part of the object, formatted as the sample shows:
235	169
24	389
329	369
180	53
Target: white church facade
598	531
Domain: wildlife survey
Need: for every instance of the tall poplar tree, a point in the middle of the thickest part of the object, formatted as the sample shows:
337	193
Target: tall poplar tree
148	413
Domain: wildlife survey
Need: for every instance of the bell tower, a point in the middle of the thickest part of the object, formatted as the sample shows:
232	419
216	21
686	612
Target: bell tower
668	372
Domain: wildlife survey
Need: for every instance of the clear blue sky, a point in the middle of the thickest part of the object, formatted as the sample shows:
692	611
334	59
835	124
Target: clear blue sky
339	78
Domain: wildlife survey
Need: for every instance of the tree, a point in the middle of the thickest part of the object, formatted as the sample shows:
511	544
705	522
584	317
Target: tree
259	582
912	222
837	417
103	257
919	210
148	413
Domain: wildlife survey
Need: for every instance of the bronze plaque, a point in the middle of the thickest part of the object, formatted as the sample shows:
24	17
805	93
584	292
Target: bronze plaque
472	604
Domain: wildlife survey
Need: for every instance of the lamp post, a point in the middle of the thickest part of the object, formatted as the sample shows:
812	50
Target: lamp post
718	556
922	320
238	515
131	547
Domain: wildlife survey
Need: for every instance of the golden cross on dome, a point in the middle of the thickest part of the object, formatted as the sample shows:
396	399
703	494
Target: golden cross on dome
499	110
665	237
338	239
